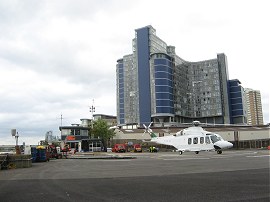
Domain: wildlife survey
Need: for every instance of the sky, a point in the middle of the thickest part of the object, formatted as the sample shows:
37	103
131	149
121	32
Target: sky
58	57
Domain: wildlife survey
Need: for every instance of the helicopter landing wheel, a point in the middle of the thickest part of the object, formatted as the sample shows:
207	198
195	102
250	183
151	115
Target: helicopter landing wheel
180	152
219	152
196	152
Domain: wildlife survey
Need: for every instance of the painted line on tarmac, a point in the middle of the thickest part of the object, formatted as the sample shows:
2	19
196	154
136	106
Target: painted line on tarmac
232	155
183	159
110	160
240	153
221	157
165	155
260	156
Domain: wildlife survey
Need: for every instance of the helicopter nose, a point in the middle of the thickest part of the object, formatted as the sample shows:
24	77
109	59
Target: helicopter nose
223	145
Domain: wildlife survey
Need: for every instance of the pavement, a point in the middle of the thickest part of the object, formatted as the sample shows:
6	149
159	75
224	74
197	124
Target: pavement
100	155
164	176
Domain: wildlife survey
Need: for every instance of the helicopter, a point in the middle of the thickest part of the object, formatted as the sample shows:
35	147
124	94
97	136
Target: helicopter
194	139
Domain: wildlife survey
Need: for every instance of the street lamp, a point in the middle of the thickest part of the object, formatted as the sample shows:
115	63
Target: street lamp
92	110
17	137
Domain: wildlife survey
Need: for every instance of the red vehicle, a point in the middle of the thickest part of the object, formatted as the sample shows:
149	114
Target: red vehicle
137	148
53	152
119	148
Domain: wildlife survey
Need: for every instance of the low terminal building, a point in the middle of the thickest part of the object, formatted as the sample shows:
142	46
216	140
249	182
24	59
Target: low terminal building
76	136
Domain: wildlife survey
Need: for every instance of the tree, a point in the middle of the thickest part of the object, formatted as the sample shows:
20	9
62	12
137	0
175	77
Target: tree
101	130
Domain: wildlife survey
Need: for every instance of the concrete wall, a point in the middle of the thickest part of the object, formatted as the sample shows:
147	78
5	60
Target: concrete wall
254	135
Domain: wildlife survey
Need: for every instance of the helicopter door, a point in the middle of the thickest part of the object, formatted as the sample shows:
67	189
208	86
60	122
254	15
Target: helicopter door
207	140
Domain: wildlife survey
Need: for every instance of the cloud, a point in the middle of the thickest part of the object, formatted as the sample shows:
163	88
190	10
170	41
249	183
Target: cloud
57	56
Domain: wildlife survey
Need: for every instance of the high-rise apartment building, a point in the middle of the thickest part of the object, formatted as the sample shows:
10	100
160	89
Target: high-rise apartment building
155	84
254	107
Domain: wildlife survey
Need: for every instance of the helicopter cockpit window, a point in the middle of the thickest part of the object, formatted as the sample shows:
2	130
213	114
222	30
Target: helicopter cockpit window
215	138
189	140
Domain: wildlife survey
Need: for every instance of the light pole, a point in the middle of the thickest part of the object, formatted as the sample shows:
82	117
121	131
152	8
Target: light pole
61	119
15	134
92	110
17	137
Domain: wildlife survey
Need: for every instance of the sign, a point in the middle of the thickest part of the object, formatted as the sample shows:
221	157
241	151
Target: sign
70	137
13	132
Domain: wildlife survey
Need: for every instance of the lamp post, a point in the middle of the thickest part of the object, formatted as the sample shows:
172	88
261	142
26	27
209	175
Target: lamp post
17	137
92	110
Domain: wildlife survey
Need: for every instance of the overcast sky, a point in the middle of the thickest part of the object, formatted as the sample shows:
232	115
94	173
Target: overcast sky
57	56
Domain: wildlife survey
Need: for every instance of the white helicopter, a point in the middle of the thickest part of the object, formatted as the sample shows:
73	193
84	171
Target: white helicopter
193	138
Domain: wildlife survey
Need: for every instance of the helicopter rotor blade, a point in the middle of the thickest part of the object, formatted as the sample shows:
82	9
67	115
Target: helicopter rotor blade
150	124
144	126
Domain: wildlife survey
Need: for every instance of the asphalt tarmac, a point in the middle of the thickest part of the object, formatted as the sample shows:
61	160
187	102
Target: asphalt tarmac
231	176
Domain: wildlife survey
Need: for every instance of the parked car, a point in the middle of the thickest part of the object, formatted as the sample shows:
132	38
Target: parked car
119	148
137	148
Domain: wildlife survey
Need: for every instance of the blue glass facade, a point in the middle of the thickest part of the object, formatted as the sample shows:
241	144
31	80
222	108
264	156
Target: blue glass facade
164	85
236	101
143	53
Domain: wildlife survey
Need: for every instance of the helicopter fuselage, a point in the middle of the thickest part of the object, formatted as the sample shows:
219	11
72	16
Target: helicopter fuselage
195	139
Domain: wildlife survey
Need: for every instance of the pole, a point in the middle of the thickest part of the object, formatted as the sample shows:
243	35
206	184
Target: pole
16	138
92	110
61	119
